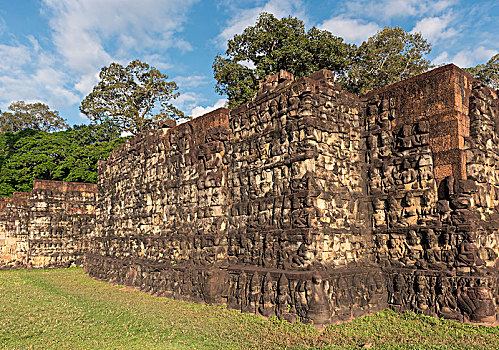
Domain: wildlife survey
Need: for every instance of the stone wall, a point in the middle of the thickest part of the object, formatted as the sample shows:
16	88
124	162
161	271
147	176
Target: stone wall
262	208
431	159
47	227
307	202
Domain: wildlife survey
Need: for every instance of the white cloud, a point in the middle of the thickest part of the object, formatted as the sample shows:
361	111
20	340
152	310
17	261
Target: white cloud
247	17
468	58
352	30
388	9
188	100
89	34
191	81
28	74
435	28
13	57
442	58
199	110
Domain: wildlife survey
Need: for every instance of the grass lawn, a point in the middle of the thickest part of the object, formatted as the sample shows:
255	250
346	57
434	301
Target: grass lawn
64	308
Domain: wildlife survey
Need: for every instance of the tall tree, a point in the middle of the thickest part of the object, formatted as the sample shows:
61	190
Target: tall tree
487	73
70	155
271	45
35	116
136	97
389	56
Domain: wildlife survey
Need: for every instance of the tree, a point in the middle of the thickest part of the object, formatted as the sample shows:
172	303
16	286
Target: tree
70	155
389	56
487	73
35	116
136	97
271	45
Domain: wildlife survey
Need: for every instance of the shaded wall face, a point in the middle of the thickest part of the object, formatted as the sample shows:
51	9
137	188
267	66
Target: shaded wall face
310	202
242	213
429	202
162	203
48	227
297	204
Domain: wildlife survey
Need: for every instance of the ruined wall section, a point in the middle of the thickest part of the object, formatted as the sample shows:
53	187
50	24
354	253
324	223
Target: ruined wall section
295	177
14	231
163	209
251	207
47	227
298	194
61	218
425	218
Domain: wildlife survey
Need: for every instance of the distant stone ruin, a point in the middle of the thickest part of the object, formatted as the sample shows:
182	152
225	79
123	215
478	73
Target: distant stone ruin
307	202
48	227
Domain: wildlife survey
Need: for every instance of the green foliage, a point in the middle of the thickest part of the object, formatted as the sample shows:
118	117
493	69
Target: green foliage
59	309
130	97
70	155
387	57
271	45
487	73
36	116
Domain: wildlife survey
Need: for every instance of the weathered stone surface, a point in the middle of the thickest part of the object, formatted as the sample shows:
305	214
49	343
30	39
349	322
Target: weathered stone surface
307	202
47	227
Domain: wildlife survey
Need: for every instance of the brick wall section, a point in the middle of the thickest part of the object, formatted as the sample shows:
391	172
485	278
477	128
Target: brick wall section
48	226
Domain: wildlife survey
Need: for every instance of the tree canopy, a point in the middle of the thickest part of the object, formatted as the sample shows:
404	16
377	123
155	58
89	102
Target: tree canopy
271	45
389	56
135	98
35	116
487	73
70	155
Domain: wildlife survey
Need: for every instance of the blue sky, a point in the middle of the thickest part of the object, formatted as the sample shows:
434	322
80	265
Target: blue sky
52	50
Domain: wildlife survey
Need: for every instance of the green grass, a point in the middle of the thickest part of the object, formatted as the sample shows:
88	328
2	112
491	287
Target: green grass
61	309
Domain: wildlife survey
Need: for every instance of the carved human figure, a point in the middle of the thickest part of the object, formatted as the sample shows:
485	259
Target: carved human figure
303	255
254	293
241	296
420	300
267	299
433	254
394	211
396	250
318	304
468	252
410	211
414	248
379	215
485	308
284	305
374	180
408	177
398	297
446	303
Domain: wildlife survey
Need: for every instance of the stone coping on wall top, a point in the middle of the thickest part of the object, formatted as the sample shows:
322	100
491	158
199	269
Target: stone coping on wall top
322	79
420	77
63	186
161	132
